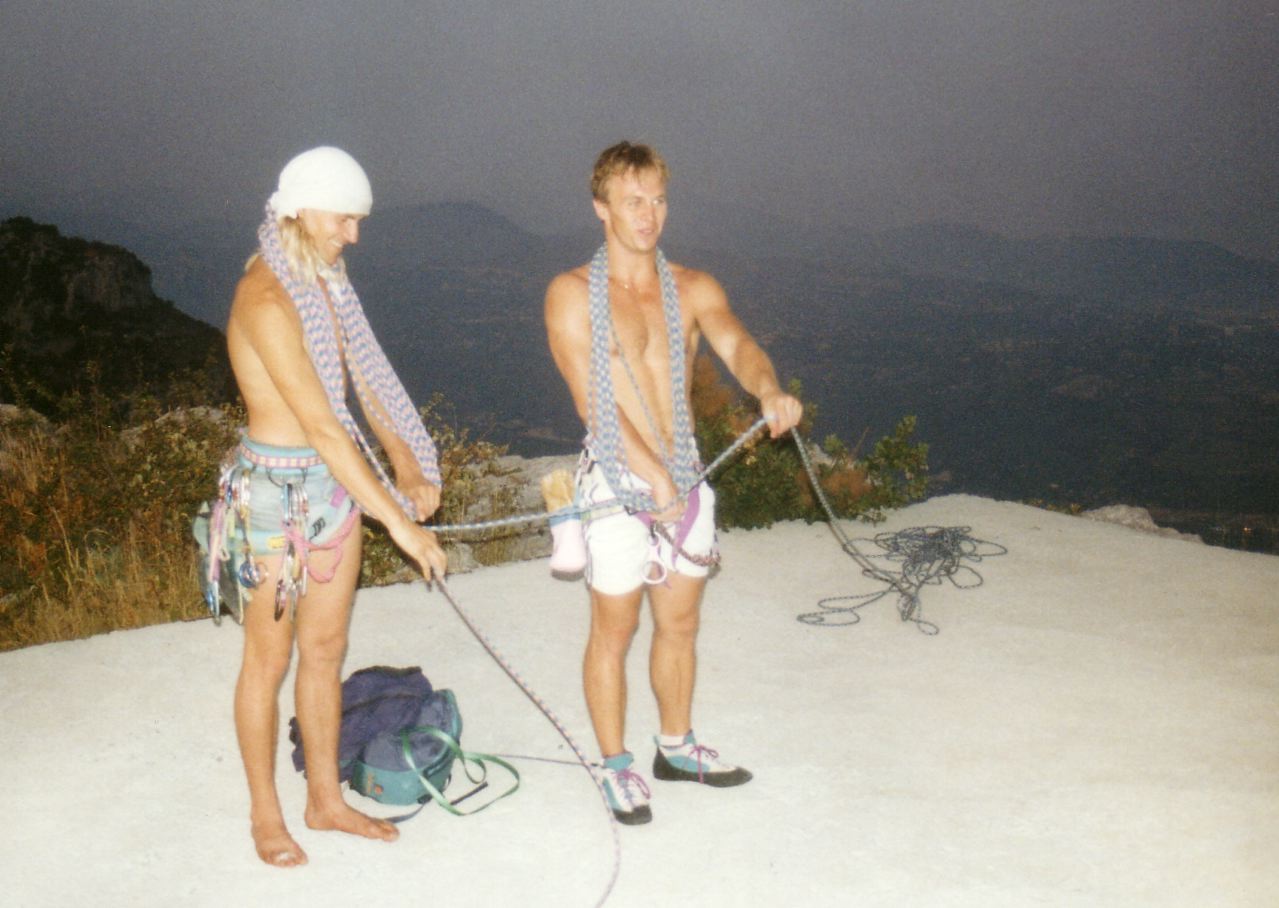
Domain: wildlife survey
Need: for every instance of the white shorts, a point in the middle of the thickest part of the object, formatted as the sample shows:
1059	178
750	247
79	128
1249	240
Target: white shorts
622	553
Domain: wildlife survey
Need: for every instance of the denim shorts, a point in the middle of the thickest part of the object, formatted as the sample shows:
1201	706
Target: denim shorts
269	474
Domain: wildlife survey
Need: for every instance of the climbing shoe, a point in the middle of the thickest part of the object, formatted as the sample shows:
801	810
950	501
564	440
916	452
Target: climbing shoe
626	789
691	762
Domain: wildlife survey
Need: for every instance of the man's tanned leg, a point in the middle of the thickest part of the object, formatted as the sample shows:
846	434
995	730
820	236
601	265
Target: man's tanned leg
672	661
324	618
268	646
613	623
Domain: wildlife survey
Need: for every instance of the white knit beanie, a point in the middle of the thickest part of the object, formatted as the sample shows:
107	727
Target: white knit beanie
326	179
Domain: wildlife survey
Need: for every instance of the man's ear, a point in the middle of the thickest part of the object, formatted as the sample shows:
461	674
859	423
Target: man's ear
601	209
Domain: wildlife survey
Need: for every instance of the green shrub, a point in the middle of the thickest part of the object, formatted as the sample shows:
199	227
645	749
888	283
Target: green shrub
767	482
98	509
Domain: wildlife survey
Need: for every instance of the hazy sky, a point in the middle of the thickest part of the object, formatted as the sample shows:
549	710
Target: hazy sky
1153	117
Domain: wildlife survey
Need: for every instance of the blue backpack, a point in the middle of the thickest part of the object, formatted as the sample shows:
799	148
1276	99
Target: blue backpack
399	740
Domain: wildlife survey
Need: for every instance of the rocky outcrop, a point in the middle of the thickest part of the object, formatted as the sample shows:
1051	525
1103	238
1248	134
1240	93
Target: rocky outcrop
522	476
46	277
75	314
1137	519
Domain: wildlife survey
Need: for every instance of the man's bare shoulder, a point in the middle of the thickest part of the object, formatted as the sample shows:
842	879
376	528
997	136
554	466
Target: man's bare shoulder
568	290
260	292
574	281
696	287
567	310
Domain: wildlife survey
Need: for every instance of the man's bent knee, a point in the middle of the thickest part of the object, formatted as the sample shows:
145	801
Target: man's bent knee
265	663
322	654
614	636
267	673
615	616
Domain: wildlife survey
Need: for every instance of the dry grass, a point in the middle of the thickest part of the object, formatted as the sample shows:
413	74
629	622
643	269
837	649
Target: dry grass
95	514
95	522
96	590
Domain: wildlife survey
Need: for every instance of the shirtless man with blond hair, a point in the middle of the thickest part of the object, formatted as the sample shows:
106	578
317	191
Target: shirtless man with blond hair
298	342
624	331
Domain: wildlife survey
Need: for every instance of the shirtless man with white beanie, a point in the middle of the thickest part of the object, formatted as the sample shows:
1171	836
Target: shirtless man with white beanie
298	342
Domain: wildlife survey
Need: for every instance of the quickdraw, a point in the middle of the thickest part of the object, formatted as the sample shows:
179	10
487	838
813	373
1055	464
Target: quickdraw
228	572
709	560
291	584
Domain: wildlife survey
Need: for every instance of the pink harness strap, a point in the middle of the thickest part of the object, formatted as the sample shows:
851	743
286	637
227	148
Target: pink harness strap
692	506
279	462
304	547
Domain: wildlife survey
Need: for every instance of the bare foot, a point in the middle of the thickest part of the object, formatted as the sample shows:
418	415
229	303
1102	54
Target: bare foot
345	818
276	846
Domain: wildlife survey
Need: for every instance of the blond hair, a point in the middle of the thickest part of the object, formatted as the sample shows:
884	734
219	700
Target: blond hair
299	251
621	159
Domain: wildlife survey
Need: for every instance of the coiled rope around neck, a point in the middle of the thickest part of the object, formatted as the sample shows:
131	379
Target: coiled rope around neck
605	429
380	390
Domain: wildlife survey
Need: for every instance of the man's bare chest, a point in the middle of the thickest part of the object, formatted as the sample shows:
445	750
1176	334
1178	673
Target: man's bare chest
641	334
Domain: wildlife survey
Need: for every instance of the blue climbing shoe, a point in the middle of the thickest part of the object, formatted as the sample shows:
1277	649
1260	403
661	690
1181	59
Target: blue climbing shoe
691	762
626	789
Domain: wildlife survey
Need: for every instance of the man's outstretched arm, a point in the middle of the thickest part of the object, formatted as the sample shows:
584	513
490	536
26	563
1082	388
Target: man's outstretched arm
745	359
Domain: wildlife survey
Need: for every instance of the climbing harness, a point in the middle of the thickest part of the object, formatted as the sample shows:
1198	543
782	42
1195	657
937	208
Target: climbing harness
229	570
657	530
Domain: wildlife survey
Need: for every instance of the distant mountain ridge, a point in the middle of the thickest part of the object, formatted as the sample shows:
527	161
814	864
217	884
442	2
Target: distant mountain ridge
197	265
1132	270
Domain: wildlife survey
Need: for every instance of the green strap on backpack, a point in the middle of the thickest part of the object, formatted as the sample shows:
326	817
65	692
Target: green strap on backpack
468	758
414	764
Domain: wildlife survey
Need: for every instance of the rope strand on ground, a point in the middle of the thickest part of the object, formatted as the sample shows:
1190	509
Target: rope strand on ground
927	554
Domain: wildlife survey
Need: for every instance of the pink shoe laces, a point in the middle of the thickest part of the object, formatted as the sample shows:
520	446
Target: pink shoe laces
698	751
628	777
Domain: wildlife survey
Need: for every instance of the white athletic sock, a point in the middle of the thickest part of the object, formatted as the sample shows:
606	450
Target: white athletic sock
671	741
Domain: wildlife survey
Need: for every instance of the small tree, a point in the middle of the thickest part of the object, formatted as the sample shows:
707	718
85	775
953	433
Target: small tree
767	481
